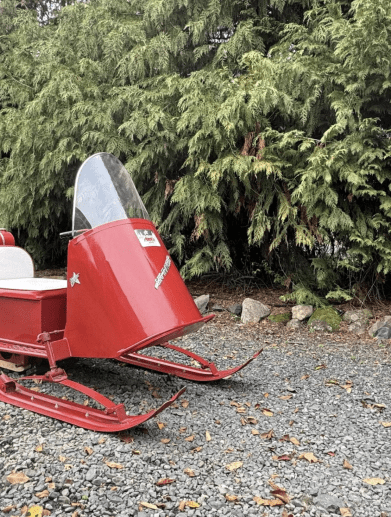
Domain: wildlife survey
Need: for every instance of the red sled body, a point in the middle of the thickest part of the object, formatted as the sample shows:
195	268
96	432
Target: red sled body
123	294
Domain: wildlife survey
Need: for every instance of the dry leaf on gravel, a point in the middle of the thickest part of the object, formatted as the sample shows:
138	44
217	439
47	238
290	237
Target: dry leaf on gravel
281	494
184	403
165	481
304	377
345	512
189	472
165	440
320	367
268	502
39	448
190	438
251	420
196	449
386	424
295	441
234	466
182	506
309	456
346	465
113	465
42	494
374	481
149	505
286	514
241	410
17	478
269	435
62	458
102	440
8	508
126	438
283	457
267	412
254	432
285	397
160	425
192	504
68	466
207	436
231	498
88	450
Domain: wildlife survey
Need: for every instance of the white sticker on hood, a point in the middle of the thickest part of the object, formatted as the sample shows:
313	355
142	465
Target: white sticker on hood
147	238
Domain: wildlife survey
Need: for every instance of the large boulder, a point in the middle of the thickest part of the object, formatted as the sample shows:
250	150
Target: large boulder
325	319
302	312
254	311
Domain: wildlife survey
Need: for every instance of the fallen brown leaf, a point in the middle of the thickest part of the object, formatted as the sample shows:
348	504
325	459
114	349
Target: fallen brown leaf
295	441
8	508
233	403
52	486
254	432
190	438
320	367
207	436
283	457
62	458
68	466
189	472
39	448
252	420
165	481
42	494
268	436
17	478
182	506
304	377
196	449
165	440
374	481
386	424
346	465
88	450
113	465
267	412
161	425
285	397
234	466
184	403
268	502
149	505
182	429
309	456
231	498
35	511
192	504
281	494
241	410
345	512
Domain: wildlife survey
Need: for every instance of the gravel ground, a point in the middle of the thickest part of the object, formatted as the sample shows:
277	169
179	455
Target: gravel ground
302	380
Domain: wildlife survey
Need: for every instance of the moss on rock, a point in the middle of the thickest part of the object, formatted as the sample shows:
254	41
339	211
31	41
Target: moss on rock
329	316
279	318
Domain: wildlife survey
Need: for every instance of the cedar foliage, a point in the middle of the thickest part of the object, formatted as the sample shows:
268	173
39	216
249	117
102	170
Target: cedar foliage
257	132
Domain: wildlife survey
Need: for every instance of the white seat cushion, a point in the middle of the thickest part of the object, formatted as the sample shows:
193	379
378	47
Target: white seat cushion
15	263
33	284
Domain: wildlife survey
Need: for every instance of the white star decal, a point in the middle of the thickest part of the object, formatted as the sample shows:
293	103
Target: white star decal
74	279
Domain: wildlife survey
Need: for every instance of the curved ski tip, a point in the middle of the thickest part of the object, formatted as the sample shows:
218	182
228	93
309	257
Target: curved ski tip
257	353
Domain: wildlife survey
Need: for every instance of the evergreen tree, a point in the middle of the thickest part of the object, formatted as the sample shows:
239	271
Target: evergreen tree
256	131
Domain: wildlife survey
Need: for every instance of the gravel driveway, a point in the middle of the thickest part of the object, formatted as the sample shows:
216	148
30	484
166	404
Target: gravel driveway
315	395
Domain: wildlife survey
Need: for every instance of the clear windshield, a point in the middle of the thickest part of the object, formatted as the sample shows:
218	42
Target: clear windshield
104	192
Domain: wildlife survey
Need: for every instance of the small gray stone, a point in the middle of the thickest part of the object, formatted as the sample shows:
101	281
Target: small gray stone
202	303
236	309
358	327
218	308
383	333
384	322
254	311
91	474
329	502
302	312
294	324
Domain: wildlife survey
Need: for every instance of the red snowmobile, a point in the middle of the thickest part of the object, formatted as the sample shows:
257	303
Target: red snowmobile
123	294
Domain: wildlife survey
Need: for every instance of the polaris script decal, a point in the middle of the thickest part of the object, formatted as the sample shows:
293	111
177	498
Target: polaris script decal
159	279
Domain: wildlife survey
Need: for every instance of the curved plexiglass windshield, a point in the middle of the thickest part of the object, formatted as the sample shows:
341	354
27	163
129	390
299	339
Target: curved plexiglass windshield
104	192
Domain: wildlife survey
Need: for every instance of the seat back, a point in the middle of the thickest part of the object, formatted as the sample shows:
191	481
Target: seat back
15	263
